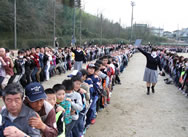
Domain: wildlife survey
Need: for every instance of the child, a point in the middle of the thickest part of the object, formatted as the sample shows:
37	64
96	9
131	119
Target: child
79	126
76	105
60	96
51	98
91	114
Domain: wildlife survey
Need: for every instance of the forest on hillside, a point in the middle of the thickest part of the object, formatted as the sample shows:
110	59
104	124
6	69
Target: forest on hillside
35	20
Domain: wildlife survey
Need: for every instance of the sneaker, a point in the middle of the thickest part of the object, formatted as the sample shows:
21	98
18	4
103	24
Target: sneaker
105	105
93	121
84	131
108	101
101	109
87	127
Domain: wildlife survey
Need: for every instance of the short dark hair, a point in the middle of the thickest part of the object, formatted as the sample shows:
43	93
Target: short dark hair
97	66
98	62
105	57
21	51
84	72
49	91
76	78
7	50
58	87
13	89
153	49
37	48
68	84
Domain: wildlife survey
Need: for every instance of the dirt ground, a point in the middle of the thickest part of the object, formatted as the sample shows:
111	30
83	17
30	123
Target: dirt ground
134	114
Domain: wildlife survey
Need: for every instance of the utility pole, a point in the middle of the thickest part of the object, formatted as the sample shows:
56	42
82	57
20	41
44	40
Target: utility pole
54	22
80	25
74	27
101	29
132	4
119	27
15	32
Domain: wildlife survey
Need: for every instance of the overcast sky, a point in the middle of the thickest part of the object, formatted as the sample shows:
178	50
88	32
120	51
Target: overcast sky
167	14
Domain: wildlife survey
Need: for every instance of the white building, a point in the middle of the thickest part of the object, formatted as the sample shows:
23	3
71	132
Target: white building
157	31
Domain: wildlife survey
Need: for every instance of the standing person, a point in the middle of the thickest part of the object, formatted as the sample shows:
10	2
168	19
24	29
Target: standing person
2	64
8	68
79	58
41	58
51	98
15	115
35	57
45	119
28	64
20	68
47	60
76	105
151	74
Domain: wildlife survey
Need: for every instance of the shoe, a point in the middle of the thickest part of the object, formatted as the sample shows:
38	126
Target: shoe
153	90
147	93
166	79
105	105
101	109
108	101
93	121
84	131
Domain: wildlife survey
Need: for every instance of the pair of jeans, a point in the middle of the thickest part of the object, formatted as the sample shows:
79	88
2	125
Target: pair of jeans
69	127
33	74
92	110
79	126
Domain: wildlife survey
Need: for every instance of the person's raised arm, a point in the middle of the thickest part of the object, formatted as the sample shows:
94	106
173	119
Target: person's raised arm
142	51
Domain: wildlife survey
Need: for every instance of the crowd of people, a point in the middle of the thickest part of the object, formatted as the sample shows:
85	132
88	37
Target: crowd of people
40	63
67	109
176	67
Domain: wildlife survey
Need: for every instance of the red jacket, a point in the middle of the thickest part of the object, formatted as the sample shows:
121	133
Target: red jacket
35	57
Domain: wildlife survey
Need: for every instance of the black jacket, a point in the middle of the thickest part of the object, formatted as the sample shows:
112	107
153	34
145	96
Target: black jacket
152	63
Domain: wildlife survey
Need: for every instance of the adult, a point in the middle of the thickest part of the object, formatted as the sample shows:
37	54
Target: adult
151	74
2	64
79	58
8	67
16	115
45	119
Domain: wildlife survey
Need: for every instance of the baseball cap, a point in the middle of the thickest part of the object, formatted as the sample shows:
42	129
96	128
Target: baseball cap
91	65
35	91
